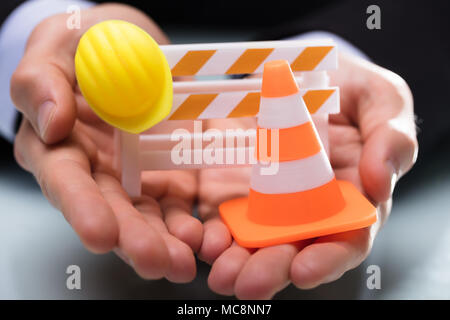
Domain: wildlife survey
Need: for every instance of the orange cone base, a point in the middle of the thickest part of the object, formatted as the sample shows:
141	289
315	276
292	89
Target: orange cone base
358	213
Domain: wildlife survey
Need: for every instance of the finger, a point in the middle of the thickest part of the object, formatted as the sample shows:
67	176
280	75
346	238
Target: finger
181	223
42	85
387	154
64	176
183	266
388	131
177	208
175	191
265	273
216	239
217	186
226	268
329	258
141	244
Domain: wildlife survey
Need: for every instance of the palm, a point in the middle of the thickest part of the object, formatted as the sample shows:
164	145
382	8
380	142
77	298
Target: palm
154	233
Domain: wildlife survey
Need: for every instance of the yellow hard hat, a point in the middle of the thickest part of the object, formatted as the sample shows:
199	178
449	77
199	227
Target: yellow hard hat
124	76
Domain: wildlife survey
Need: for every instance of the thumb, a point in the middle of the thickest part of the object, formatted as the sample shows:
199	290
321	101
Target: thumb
387	154
43	93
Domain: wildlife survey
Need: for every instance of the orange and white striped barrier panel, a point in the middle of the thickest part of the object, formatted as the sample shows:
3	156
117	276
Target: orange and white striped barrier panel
248	57
299	197
221	104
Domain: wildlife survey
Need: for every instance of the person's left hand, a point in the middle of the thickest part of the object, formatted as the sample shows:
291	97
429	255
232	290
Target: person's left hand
372	144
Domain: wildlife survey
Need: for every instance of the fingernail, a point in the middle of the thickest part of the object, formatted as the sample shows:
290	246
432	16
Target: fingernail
45	113
393	182
394	175
123	256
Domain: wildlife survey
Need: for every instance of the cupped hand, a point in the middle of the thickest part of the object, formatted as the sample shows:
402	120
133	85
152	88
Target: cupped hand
372	144
69	151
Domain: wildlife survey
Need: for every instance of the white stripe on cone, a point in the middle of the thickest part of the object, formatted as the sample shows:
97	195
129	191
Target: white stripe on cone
283	112
293	176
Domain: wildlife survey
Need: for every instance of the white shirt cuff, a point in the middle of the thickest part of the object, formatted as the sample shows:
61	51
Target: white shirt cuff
13	37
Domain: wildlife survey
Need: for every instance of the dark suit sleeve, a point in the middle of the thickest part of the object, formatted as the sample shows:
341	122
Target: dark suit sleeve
414	42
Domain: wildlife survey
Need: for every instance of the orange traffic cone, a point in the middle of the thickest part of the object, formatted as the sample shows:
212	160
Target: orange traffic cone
302	199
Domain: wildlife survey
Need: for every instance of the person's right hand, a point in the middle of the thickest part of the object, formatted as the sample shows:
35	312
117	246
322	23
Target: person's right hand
372	144
69	151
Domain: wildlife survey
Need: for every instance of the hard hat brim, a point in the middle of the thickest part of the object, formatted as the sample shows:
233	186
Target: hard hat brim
358	213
